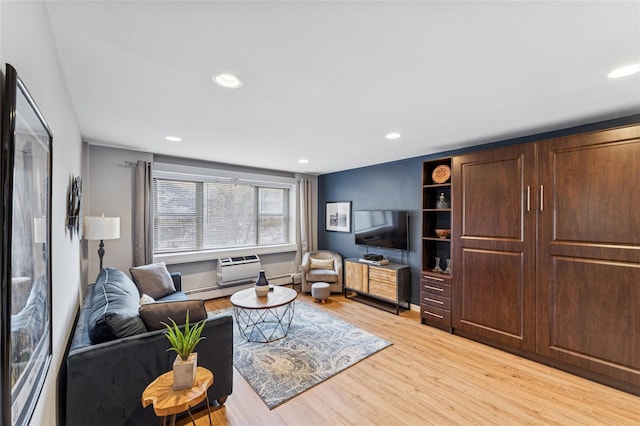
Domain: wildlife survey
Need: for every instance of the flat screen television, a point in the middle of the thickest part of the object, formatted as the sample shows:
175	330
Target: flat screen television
382	228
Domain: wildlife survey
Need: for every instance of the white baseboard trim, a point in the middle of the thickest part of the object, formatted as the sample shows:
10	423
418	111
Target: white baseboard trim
215	291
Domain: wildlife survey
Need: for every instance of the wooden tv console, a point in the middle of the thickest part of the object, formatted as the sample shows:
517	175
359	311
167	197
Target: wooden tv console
389	284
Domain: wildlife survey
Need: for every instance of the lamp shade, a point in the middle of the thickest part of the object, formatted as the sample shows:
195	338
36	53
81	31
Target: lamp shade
101	228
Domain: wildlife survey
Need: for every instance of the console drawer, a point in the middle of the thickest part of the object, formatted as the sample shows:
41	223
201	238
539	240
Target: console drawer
381	274
383	289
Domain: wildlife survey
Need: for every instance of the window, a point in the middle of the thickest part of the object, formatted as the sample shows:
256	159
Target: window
199	214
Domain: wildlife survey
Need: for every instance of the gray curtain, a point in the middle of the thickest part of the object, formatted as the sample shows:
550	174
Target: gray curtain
306	241
142	215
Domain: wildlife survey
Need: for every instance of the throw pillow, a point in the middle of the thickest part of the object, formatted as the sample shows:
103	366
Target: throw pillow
153	279
153	314
146	299
114	310
321	263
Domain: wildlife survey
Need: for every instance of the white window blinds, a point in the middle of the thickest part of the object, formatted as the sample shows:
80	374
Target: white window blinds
192	214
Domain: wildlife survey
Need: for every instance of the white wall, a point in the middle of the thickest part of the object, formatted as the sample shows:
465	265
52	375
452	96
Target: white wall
27	43
109	183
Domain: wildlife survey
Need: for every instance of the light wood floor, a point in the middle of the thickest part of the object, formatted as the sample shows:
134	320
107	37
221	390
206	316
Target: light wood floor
430	377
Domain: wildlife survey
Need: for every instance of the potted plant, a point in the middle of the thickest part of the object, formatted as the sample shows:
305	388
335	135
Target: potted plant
183	344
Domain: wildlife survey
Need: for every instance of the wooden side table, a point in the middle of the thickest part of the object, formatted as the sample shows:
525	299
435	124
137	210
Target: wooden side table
169	402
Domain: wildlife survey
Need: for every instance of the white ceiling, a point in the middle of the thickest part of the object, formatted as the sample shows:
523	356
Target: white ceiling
326	80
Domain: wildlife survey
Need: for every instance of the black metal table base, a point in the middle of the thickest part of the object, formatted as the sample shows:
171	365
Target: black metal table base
264	325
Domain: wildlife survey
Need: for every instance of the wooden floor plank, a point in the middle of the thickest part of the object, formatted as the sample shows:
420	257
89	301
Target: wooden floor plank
430	377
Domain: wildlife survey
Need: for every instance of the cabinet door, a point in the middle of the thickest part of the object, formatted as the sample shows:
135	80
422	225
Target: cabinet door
357	276
588	288
494	235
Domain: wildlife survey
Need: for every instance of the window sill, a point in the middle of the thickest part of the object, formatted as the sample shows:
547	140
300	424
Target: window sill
202	256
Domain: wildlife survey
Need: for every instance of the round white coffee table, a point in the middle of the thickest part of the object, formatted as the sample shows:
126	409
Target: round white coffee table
264	319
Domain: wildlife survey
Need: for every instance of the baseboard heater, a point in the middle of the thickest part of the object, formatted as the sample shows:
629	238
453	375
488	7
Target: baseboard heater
237	270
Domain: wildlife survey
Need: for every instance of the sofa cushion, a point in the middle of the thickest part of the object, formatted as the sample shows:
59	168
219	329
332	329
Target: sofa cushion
153	279
153	314
325	275
178	295
114	308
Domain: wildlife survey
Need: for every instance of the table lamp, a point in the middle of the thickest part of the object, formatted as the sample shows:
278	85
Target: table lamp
101	228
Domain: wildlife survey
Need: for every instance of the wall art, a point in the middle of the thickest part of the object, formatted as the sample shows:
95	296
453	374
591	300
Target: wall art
25	323
338	216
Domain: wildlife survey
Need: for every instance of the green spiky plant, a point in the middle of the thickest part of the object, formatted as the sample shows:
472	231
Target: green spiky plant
184	343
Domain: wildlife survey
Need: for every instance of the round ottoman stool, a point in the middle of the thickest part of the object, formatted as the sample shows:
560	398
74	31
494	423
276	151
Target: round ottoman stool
320	291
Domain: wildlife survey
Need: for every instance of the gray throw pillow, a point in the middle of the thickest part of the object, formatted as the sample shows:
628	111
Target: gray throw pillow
153	279
153	314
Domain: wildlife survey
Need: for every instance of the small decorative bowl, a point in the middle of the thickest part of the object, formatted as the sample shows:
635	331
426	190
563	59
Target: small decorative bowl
443	233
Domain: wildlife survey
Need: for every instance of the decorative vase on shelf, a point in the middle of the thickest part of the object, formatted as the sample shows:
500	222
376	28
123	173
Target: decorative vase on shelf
448	270
442	202
437	268
262	285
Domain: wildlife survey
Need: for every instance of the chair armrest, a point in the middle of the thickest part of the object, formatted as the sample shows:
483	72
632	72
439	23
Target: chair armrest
306	263
337	265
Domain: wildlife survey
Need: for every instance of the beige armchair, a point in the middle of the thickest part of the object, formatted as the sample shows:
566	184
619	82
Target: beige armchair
322	265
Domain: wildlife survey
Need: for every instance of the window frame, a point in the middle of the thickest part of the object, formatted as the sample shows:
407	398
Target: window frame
199	174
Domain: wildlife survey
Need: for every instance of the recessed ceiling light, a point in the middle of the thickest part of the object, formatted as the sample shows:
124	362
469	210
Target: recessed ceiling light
303	161
173	139
229	81
393	135
624	71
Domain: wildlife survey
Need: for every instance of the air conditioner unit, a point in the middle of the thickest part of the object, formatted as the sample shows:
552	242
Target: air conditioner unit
238	270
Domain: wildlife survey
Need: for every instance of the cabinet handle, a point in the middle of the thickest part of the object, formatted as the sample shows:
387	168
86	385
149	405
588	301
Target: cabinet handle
433	315
528	198
541	198
434	288
434	301
427	277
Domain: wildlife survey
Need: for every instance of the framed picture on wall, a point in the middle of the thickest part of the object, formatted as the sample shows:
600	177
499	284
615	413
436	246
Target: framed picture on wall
338	216
25	235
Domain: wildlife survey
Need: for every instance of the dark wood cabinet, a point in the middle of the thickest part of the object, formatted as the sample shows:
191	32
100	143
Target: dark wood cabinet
435	299
588	281
495	242
546	243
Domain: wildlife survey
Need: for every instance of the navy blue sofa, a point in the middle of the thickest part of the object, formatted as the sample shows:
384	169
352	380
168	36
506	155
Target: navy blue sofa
103	382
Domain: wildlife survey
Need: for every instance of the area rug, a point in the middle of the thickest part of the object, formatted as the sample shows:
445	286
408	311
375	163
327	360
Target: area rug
317	347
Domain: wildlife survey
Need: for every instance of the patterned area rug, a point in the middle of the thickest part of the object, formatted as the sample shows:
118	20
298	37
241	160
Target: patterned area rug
317	347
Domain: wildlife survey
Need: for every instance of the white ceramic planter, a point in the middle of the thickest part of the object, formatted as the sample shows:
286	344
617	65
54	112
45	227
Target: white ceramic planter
184	372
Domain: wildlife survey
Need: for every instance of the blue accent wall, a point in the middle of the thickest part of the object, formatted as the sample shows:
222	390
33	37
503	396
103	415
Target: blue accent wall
397	186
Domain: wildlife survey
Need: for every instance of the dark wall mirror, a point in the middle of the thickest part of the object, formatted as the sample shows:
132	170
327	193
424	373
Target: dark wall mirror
25	268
